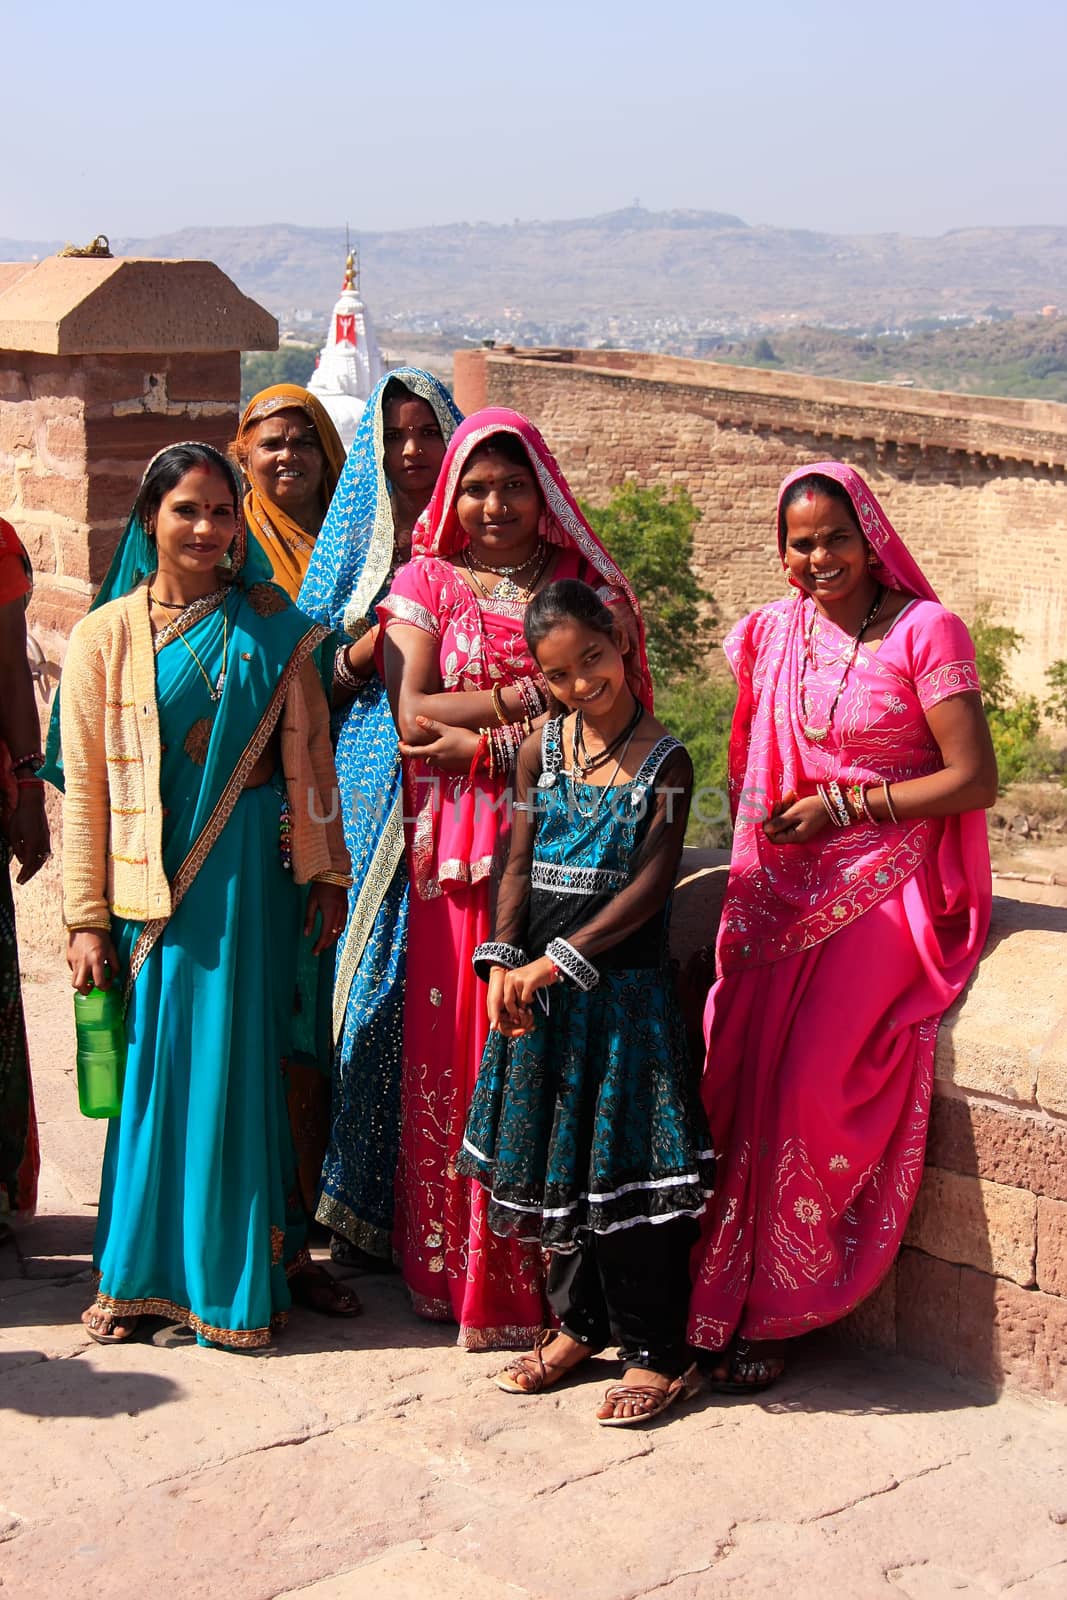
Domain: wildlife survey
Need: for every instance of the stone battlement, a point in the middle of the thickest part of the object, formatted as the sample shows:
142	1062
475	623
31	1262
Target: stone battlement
969	481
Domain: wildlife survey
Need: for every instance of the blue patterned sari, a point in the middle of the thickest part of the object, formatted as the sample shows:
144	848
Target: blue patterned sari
349	573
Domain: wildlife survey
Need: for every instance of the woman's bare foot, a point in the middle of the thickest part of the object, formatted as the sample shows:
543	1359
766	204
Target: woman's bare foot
552	1357
105	1327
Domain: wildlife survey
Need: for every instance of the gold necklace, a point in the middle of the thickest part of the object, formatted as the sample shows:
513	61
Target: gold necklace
220	682
506	589
811	730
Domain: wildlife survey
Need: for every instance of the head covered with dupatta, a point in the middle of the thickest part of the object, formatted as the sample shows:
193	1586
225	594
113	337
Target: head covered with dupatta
135	558
439	532
286	543
354	551
784	899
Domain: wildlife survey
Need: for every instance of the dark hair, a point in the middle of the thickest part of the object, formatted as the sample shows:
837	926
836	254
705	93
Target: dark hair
566	600
395	393
508	445
167	471
814	483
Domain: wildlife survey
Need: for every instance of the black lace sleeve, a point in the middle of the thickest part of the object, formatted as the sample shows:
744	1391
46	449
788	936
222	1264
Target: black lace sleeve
507	946
655	865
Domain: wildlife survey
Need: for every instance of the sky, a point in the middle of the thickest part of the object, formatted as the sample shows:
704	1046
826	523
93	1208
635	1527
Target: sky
134	119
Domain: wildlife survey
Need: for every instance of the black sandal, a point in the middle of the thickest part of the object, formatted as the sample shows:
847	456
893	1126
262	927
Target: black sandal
747	1372
312	1286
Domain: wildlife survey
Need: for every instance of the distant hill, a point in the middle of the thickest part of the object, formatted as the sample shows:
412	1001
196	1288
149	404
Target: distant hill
1025	356
633	265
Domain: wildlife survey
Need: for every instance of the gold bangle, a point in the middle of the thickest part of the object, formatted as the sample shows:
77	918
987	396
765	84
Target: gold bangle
496	696
340	880
888	802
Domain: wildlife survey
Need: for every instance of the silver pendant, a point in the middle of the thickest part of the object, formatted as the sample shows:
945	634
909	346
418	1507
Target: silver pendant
547	780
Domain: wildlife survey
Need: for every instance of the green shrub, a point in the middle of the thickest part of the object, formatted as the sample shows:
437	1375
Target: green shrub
1023	752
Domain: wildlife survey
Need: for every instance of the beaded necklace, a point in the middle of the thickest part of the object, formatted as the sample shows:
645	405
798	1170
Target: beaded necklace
812	732
506	590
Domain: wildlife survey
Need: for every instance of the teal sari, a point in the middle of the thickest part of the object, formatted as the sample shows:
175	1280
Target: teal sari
202	1147
200	1219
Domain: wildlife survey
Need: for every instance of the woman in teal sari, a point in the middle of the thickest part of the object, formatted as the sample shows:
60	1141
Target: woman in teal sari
199	787
384	488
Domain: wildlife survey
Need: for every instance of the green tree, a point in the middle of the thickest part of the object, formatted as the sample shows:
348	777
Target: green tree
1056	704
1014	718
650	534
261	369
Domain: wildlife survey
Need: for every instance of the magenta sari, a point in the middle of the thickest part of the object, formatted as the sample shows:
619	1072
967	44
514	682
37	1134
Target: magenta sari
836	961
457	1269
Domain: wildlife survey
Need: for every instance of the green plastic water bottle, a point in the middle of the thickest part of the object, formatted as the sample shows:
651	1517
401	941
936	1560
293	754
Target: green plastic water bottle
101	1051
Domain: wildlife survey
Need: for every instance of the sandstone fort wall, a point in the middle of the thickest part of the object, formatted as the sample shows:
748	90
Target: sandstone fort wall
974	485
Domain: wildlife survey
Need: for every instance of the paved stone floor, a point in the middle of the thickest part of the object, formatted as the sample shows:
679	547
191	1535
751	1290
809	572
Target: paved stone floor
373	1459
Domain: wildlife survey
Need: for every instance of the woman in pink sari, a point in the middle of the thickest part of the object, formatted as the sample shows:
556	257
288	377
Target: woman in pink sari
857	907
501	524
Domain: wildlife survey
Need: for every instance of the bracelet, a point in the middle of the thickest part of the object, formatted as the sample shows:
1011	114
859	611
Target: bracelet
532	697
834	803
888	802
572	964
867	812
339	880
30	783
496	696
342	671
482	752
34	759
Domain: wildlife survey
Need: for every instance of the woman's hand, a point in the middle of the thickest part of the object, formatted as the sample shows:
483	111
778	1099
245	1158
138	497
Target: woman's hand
330	902
445	749
520	987
498	1017
91	958
794	821
27	831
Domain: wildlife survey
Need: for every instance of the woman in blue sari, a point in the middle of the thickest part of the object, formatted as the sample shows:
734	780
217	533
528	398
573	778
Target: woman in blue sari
198	773
384	488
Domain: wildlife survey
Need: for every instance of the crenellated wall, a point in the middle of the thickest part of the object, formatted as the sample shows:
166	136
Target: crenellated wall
976	485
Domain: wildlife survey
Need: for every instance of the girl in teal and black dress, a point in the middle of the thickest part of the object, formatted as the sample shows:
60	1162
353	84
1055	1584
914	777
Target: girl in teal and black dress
585	1128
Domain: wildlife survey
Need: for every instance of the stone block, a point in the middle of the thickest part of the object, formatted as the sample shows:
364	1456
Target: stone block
112	493
993	1037
64	439
1010	1335
873	1324
13	383
54	610
928	1307
85	551
17	430
1052	1246
64	497
982	1140
205	377
39	542
975	1223
1052	1073
114	378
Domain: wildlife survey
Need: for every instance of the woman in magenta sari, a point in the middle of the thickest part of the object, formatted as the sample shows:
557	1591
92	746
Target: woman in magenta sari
501	524
857	907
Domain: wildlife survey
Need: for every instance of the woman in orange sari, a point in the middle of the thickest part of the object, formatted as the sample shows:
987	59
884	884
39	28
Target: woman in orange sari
291	457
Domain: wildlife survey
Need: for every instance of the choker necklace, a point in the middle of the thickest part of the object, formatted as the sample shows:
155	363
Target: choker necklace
812	732
171	605
508	572
583	761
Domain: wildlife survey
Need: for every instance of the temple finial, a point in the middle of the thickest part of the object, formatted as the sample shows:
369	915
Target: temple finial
350	272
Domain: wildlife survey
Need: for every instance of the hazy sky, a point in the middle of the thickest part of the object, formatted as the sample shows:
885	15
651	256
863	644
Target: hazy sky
134	118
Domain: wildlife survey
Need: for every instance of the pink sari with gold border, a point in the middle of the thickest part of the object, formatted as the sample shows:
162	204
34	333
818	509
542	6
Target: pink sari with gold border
836	961
454	1266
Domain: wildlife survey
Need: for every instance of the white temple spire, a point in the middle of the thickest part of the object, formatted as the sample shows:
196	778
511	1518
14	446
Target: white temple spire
350	363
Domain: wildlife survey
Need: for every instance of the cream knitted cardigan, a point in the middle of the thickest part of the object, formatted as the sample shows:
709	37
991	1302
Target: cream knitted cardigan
112	813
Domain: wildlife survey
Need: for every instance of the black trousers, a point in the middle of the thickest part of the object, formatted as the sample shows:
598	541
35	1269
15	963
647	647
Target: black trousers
630	1288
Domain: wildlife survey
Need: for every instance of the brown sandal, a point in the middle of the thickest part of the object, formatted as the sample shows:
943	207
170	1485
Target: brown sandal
111	1320
532	1366
312	1286
654	1402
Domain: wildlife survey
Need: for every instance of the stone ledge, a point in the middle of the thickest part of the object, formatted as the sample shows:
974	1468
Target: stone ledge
971	1222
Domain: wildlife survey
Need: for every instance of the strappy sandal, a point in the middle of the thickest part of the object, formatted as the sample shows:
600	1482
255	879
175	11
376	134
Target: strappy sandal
747	1372
532	1367
653	1401
110	1319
